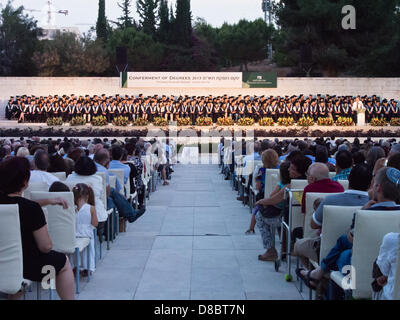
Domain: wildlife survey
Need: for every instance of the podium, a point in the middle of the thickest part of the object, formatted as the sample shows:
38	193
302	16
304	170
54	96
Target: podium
361	119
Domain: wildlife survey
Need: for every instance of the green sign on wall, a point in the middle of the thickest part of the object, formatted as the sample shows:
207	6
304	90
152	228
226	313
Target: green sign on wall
260	80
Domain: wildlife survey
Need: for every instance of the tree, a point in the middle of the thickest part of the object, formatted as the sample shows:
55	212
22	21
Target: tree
164	25
67	55
317	24
144	53
18	39
182	27
147	12
244	42
125	21
101	25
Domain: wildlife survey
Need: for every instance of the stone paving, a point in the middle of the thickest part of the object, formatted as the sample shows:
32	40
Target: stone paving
190	244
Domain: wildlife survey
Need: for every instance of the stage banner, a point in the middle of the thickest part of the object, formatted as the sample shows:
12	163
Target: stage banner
260	80
182	80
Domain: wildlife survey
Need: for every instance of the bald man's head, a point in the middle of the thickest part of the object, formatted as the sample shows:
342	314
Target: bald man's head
318	171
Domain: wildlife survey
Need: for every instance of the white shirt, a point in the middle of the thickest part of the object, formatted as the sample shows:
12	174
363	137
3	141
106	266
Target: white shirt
357	105
43	176
96	182
83	220
387	262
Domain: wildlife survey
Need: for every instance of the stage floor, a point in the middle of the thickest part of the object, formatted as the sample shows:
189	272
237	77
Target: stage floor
14	129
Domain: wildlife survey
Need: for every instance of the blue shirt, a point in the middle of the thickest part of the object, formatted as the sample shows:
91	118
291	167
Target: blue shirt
117	165
254	156
101	168
342	175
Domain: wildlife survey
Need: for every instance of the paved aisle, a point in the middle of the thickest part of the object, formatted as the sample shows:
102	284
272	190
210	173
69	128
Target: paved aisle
190	244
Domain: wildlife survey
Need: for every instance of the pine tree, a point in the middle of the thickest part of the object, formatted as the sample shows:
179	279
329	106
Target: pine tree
101	25
147	12
125	21
163	15
183	23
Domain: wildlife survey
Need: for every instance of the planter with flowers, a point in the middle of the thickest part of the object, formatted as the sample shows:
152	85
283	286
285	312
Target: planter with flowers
305	122
285	122
245	122
204	121
266	122
225	121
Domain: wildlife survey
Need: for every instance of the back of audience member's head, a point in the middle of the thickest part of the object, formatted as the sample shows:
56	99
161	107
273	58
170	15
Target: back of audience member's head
22	152
319	171
358	157
130	147
270	159
395	149
84	191
85	166
389	181
75	154
41	160
344	159
394	161
373	155
321	154
360	177
301	162
15	174
264	145
116	152
284	172
58	186
293	155
102	157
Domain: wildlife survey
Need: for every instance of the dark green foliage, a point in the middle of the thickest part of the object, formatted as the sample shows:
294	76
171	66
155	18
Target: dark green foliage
147	12
368	50
18	40
101	25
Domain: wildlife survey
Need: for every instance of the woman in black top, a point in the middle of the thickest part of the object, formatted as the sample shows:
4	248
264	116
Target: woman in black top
36	242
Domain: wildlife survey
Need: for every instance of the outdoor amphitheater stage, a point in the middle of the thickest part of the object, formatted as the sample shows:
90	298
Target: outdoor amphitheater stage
15	129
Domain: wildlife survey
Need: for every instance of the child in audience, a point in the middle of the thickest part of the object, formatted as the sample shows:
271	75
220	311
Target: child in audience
86	221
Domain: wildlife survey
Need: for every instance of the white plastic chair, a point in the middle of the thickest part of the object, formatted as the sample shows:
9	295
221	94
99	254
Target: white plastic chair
11	263
35	186
366	247
344	183
60	175
61	227
269	184
120	176
310	198
396	292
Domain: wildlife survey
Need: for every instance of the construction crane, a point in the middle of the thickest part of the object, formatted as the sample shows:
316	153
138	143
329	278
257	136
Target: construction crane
50	12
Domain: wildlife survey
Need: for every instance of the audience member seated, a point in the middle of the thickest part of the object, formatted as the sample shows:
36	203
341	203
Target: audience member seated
319	181
387	263
40	165
344	163
86	221
357	195
85	172
116	155
36	243
385	196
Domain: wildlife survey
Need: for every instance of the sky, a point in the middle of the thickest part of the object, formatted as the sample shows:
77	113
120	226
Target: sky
83	13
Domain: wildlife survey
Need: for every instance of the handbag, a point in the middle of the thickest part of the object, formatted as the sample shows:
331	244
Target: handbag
270	211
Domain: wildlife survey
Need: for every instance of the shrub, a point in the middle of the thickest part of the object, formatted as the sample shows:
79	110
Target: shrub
245	122
78	121
225	121
266	122
344	121
305	122
395	122
120	121
325	121
286	122
376	122
204	121
160	122
140	122
184	121
99	121
57	121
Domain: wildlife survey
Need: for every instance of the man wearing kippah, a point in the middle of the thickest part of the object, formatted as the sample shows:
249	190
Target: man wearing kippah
384	194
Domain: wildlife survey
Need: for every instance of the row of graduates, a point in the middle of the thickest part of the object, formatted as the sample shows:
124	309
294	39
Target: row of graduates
32	109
